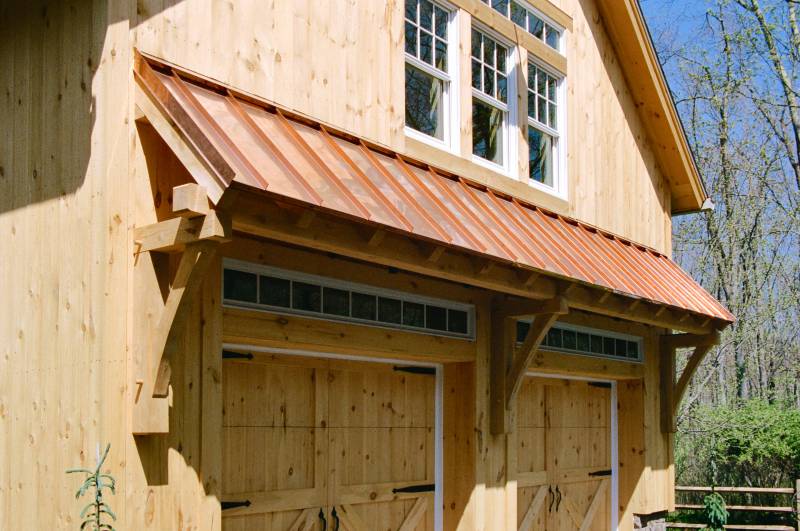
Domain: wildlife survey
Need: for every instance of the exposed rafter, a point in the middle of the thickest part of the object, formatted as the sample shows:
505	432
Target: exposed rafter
328	233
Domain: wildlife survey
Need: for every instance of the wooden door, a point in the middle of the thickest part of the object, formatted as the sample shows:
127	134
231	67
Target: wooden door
564	455
274	443
382	447
347	443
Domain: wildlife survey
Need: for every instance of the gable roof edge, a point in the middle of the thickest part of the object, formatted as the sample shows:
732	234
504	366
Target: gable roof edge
645	77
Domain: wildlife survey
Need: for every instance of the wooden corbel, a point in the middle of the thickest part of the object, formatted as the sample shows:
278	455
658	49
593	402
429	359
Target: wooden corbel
672	389
508	363
196	234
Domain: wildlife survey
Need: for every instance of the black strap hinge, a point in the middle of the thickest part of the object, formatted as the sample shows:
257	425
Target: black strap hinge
606	385
234	504
416	369
600	473
228	355
415	488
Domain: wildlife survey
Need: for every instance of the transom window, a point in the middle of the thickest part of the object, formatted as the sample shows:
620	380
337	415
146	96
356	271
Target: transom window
529	20
290	292
564	337
490	89
543	126
427	70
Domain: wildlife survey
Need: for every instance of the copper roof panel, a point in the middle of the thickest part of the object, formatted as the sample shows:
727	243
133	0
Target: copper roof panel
259	146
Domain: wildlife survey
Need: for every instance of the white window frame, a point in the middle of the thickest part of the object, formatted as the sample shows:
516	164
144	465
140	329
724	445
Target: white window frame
544	18
509	109
560	186
451	88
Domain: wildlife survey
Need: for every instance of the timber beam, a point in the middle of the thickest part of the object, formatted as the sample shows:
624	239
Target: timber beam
672	388
509	363
196	234
256	215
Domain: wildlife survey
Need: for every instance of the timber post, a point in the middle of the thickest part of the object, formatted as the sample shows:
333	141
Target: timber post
797	502
509	363
672	390
196	233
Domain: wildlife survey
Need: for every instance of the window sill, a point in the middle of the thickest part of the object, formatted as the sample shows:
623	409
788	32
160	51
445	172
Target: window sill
484	174
422	138
547	189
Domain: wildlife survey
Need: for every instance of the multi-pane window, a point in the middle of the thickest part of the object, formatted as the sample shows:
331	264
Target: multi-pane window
543	125
278	290
427	70
528	20
565	337
490	90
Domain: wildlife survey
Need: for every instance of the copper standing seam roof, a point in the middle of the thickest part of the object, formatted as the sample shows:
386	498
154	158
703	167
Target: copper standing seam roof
260	146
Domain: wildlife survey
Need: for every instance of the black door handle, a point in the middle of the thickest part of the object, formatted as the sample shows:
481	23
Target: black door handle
552	498
558	493
324	521
335	520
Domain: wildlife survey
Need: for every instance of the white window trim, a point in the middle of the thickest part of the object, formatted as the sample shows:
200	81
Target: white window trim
560	186
451	113
510	109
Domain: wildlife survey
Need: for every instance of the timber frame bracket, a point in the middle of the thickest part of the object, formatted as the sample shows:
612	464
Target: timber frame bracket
672	388
196	234
508	362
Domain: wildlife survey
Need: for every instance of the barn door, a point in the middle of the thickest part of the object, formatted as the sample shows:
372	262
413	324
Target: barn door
564	455
382	449
312	444
274	443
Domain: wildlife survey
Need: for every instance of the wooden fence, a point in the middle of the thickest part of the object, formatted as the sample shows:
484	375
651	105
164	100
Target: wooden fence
793	508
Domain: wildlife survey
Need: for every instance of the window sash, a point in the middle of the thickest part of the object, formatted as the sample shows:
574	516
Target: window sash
543	128
554	156
485	98
427	68
533	90
548	26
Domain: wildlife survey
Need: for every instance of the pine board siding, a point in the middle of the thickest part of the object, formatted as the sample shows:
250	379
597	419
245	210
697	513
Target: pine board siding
80	169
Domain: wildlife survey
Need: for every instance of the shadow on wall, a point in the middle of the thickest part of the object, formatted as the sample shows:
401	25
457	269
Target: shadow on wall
51	52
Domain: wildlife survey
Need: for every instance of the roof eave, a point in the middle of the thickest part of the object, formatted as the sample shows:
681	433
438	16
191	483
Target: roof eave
648	86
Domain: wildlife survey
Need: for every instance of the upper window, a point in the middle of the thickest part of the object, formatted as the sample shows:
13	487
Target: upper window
529	20
543	127
490	89
428	68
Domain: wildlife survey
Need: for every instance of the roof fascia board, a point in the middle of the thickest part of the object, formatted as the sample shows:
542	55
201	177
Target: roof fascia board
628	31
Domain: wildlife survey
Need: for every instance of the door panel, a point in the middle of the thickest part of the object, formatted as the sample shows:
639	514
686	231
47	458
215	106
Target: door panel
563	441
381	438
274	442
303	435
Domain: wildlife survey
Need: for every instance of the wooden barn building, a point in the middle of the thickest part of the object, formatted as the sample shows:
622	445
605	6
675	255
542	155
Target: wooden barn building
357	265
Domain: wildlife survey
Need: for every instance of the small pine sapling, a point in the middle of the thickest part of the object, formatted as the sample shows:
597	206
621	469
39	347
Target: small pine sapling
716	515
92	515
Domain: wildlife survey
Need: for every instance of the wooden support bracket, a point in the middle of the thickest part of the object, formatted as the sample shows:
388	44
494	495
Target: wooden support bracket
509	364
672	389
197	236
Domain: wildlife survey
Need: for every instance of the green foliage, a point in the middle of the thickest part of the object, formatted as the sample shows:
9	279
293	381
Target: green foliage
753	443
92	515
716	516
